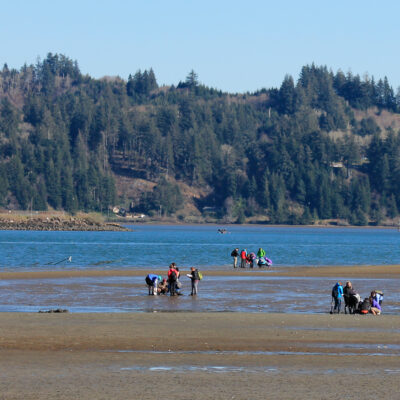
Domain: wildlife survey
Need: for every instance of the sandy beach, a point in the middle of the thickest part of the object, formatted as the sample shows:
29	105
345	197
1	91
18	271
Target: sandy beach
202	355
365	271
198	355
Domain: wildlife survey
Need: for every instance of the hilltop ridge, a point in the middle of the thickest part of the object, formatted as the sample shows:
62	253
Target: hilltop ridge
323	147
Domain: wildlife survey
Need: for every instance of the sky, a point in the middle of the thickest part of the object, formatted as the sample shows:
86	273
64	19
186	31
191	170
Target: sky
234	46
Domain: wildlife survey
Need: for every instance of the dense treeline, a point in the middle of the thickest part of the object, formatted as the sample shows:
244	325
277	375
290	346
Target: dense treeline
292	154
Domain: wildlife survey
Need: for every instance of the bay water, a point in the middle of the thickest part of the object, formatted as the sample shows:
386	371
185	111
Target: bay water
150	247
155	246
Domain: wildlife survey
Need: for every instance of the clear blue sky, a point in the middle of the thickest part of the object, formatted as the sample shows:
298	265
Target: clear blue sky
235	46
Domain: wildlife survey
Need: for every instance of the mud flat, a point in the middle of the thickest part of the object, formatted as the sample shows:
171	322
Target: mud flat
343	272
198	355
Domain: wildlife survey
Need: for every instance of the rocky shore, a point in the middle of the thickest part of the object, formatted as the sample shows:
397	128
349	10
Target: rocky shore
59	223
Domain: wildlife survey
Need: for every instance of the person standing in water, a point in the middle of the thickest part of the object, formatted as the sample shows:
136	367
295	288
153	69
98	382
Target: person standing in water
337	294
172	277
152	281
261	253
243	258
194	276
235	255
251	258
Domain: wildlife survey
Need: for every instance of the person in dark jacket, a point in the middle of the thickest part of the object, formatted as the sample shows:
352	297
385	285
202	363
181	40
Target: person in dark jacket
235	255
194	276
351	298
365	306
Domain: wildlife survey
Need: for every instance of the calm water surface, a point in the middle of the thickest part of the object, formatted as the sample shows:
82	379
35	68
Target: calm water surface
155	246
152	247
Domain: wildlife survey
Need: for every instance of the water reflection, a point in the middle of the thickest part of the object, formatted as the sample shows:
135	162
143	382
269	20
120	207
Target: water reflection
235	294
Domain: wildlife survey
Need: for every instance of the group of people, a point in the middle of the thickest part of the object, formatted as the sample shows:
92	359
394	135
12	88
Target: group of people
172	284
353	302
252	258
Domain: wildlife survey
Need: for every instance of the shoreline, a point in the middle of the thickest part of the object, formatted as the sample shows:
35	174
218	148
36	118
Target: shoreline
60	221
367	271
261	225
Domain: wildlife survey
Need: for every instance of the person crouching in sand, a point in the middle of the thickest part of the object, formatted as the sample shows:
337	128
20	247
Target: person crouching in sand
163	287
375	309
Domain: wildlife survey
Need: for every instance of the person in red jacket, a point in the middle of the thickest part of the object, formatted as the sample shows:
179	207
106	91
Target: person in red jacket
243	258
172	278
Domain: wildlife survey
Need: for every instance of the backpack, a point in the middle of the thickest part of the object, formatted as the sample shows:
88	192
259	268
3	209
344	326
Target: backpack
200	275
365	306
335	291
173	277
379	296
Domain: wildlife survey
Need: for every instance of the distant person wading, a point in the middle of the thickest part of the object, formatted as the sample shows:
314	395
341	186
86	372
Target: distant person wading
243	258
235	255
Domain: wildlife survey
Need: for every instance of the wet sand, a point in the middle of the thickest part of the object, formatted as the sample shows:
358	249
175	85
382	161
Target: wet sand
198	355
364	271
279	290
201	355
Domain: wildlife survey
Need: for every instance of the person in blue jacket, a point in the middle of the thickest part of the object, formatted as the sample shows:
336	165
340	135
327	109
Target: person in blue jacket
152	283
337	295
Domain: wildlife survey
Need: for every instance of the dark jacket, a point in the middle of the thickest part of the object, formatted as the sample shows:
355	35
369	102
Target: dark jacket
366	305
347	291
195	275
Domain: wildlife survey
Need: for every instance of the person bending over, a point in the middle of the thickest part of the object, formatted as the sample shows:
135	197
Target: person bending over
152	283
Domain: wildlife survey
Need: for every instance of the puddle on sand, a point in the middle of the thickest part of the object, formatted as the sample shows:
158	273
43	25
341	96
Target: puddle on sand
394	352
358	346
341	329
193	368
258	370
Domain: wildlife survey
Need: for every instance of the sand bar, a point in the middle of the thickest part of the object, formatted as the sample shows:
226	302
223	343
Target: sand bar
367	271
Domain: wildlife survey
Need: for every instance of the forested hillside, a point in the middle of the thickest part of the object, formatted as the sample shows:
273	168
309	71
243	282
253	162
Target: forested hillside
326	146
